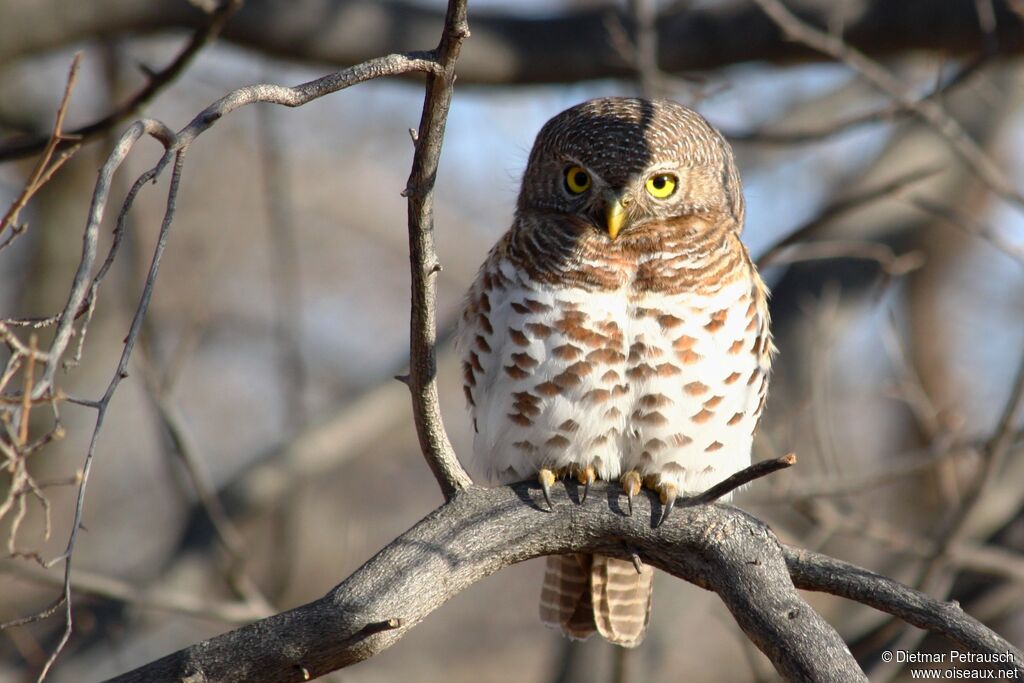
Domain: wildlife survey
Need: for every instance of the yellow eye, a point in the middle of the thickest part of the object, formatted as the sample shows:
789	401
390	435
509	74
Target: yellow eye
661	185
577	180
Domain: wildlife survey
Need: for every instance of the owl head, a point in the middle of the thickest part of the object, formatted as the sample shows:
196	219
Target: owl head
620	163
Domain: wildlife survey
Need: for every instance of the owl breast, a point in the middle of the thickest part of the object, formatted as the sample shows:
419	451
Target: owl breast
669	384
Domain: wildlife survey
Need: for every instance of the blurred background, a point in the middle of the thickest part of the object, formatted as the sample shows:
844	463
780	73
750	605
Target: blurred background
259	450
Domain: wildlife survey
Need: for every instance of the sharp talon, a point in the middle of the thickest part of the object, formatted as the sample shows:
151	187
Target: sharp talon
631	485
546	478
668	501
586	476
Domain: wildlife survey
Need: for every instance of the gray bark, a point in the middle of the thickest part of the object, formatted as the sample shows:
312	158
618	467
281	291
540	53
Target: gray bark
481	531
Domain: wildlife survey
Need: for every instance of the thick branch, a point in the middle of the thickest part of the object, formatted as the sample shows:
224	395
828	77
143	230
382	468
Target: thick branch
482	531
816	572
509	47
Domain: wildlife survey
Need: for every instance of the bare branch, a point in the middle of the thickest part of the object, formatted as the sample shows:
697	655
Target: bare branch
481	531
44	170
434	440
817	572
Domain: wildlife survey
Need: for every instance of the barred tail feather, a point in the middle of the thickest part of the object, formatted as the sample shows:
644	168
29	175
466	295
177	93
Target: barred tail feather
587	593
621	599
565	601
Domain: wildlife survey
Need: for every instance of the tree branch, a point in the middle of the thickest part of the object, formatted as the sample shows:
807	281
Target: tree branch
481	531
817	572
424	262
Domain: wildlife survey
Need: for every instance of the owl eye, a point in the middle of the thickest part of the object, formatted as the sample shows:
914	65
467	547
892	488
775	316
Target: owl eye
577	181
662	185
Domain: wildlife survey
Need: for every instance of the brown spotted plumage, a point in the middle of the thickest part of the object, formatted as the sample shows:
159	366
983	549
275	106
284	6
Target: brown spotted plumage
618	330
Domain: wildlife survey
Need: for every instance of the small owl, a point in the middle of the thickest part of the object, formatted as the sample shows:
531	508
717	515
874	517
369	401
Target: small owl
618	330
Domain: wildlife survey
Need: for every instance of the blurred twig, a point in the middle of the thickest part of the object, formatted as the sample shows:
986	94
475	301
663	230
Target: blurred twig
887	113
227	533
44	169
156	82
285	273
929	111
950	215
803	233
110	588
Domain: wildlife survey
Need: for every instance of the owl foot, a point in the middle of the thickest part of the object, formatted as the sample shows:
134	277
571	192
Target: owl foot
546	478
631	485
668	494
586	476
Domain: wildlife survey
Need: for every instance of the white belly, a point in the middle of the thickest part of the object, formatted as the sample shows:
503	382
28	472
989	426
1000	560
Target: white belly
668	385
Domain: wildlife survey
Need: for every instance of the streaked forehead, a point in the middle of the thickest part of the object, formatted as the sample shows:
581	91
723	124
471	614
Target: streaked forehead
619	137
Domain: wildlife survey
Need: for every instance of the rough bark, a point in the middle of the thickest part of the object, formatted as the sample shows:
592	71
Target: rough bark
480	531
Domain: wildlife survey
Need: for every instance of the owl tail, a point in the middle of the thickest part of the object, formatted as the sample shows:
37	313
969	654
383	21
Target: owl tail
587	593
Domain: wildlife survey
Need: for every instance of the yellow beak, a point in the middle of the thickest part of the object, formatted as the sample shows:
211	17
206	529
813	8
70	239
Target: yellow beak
614	215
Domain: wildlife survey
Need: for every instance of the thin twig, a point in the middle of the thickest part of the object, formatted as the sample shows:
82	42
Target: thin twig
434	441
741	478
44	170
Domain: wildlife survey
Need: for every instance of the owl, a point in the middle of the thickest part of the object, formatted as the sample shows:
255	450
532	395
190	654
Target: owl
618	331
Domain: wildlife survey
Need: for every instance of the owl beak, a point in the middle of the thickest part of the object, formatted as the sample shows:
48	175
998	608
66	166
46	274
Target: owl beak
614	215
